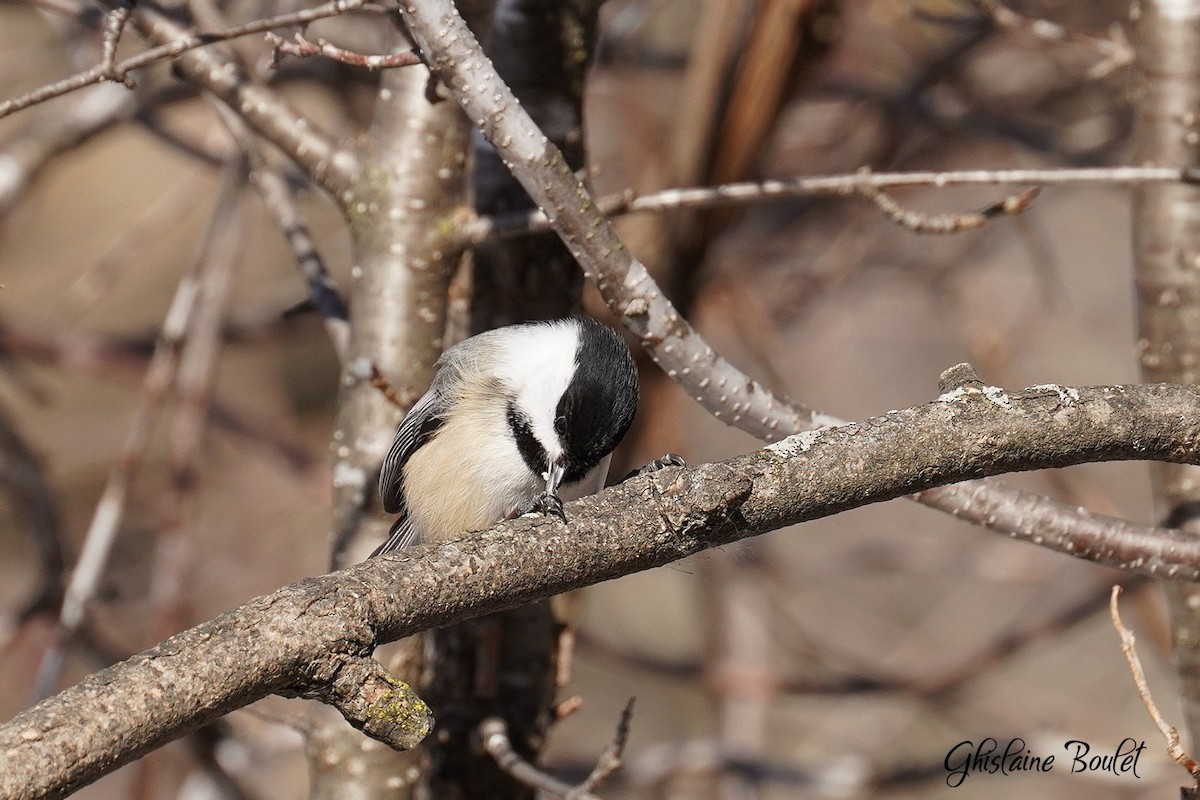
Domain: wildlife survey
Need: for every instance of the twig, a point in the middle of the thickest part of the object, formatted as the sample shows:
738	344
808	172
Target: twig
494	733
567	707
1116	52
55	132
484	229
1174	747
326	162
394	395
114	24
322	290
303	48
611	759
182	44
920	222
323	293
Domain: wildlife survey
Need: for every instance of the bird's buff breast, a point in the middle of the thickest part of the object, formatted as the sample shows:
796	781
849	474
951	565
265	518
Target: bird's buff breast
465	480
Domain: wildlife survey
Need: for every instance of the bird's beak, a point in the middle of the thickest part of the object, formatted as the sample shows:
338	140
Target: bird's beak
554	477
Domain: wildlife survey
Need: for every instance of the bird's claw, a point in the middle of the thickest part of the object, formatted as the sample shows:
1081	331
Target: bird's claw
668	460
545	503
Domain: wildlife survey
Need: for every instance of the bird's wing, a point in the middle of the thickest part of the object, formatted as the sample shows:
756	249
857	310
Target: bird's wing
421	423
400	536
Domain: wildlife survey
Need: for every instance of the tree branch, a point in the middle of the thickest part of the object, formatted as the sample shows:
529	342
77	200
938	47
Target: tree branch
521	223
263	111
170	49
299	638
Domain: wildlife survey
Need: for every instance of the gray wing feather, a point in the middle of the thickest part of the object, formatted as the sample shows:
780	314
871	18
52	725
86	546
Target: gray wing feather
400	536
422	421
418	428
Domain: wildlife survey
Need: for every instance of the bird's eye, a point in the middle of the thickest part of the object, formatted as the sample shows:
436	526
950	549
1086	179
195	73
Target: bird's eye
560	426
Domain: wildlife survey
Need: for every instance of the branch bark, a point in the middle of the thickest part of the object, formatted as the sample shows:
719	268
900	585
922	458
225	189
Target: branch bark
301	638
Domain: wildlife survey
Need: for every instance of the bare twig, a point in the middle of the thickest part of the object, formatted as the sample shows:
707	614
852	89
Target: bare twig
179	43
610	759
486	228
1170	733
323	293
303	48
264	111
395	396
114	24
1115	51
493	732
920	222
55	132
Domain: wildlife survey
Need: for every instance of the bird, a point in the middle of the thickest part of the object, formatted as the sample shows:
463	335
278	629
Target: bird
516	420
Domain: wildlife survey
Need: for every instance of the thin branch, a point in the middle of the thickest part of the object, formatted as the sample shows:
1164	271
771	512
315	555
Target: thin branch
921	222
55	132
396	396
114	24
1128	649
610	760
485	229
303	48
300	638
263	110
1115	51
493	732
1067	529
328	166
323	293
179	45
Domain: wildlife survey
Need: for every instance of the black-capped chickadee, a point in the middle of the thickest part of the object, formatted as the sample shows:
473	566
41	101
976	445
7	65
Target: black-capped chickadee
513	416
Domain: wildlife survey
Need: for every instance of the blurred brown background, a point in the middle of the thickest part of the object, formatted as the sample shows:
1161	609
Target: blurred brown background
841	658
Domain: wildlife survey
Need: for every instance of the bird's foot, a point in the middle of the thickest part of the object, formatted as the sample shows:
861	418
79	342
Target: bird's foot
545	503
668	460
